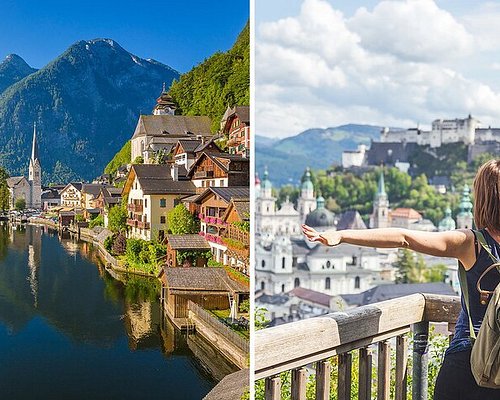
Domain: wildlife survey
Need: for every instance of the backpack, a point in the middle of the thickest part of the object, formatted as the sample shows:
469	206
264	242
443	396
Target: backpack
485	354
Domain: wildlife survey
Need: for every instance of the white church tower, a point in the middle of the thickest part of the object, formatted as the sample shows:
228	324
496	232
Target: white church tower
380	216
35	176
306	202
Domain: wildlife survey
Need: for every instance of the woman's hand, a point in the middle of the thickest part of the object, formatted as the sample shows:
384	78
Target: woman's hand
328	238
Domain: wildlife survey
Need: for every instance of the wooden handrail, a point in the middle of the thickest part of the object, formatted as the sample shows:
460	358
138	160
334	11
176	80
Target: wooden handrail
296	344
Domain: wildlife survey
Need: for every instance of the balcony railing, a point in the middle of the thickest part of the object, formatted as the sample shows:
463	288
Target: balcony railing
203	174
293	346
142	225
137	208
235	233
132	222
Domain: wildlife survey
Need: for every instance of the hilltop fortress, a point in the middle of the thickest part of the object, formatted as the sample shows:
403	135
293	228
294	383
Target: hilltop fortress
396	145
443	131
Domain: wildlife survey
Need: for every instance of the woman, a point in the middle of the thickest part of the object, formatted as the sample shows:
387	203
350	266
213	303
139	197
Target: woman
455	380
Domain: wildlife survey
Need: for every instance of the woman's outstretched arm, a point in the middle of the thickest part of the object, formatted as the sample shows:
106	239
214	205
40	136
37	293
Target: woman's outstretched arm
457	244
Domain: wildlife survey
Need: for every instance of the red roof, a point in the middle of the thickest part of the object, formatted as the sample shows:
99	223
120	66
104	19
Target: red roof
311	295
408	213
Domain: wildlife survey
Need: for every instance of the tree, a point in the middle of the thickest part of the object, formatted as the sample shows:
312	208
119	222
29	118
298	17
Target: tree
181	221
117	219
435	273
4	196
20	204
411	268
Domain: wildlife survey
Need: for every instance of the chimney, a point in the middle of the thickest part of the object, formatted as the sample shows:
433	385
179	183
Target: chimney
174	171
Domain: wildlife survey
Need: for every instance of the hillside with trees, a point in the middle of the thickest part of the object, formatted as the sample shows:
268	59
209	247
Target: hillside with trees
220	81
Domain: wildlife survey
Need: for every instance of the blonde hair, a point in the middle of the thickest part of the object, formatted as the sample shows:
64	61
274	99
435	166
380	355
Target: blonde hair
487	196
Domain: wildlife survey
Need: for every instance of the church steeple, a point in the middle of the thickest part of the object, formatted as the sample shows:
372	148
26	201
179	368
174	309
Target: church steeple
380	216
35	175
34	147
164	104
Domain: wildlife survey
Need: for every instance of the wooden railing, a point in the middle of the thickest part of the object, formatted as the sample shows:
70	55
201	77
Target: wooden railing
137	208
203	174
298	344
131	222
223	330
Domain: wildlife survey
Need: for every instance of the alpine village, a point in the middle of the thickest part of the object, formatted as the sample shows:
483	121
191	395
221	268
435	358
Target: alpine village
172	206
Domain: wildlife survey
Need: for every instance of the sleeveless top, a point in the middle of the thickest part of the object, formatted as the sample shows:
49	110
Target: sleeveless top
461	339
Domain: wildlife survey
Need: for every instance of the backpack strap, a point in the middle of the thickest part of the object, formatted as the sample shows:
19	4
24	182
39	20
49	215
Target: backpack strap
465	292
485	294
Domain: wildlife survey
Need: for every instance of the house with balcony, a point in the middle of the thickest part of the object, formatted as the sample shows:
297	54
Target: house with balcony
108	198
219	170
152	191
71	195
213	203
236	236
235	125
186	151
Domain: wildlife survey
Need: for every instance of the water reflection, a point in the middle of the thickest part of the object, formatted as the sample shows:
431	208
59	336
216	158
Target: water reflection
62	315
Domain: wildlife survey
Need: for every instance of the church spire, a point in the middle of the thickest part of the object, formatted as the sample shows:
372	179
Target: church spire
34	148
381	185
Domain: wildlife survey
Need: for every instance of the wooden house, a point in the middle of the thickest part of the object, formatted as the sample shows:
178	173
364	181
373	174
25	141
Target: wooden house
235	125
210	288
191	243
236	235
219	170
213	203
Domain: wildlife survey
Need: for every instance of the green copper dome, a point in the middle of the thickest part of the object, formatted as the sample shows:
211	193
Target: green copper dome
266	183
447	223
465	203
307	184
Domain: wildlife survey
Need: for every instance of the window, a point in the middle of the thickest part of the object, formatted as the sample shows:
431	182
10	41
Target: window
357	282
328	264
163	203
327	283
283	260
145	203
176	202
296	283
162	219
282	288
262	285
221	183
263	264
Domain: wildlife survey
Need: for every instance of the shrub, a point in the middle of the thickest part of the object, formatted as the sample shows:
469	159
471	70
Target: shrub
133	249
108	243
119	245
97	221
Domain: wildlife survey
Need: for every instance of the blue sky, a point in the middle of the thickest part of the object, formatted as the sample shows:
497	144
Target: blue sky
399	63
180	33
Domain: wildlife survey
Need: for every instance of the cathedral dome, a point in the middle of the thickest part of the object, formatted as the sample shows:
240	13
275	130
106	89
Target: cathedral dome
321	217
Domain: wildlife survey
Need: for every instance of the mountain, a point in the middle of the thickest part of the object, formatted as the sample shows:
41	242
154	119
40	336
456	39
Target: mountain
12	70
286	159
220	81
85	103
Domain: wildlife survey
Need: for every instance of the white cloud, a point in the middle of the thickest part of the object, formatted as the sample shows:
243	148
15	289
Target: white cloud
413	30
320	69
